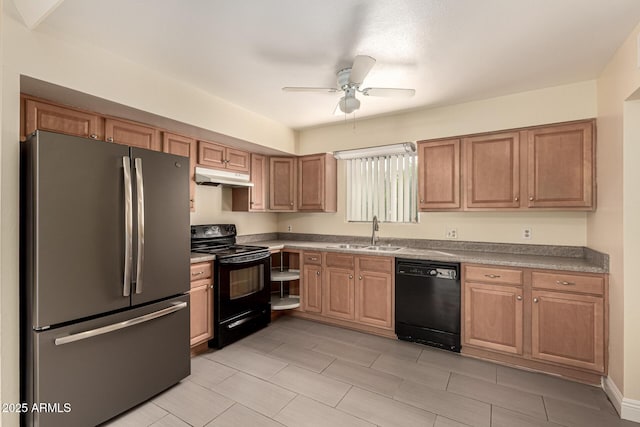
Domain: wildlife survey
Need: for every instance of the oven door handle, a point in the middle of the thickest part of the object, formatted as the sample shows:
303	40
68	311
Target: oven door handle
244	259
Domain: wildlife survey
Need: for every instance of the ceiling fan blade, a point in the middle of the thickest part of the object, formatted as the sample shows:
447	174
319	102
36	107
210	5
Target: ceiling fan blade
311	89
362	64
389	92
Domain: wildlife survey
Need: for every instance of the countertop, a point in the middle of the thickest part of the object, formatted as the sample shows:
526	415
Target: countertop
491	258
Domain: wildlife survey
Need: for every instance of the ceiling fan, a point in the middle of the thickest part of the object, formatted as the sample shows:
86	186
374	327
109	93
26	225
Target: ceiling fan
349	81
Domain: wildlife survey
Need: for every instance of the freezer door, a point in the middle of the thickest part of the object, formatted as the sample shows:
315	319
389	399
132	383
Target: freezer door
94	370
161	225
74	215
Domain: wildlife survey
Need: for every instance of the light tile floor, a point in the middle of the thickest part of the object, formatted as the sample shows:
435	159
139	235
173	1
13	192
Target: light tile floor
299	373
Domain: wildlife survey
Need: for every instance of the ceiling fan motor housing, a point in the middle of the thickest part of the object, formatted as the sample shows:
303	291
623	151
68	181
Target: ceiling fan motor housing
343	79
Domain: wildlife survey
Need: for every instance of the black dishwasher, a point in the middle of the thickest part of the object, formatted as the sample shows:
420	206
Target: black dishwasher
428	303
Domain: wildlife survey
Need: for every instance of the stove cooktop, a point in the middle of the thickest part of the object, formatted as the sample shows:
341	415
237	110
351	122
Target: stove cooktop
227	250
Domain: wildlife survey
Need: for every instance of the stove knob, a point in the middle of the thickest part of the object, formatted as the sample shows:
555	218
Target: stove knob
433	272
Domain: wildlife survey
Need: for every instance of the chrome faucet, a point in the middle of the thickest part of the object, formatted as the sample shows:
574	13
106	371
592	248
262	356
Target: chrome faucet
376	227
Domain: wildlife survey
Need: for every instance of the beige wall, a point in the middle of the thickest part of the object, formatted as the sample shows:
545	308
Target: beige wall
611	228
556	104
213	206
107	76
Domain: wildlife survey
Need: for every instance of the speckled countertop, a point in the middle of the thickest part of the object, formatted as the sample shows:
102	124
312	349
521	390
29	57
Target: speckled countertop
195	257
550	262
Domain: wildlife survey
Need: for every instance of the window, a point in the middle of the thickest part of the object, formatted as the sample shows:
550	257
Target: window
382	184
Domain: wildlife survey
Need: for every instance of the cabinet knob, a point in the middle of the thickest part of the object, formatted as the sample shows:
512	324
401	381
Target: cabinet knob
313	258
421	200
317	272
291	204
110	139
492	276
93	136
531	199
359	277
351	276
519	297
197	273
535	300
517	198
211	287
563	283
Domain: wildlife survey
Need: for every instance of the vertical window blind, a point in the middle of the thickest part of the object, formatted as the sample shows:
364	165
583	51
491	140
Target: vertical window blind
384	186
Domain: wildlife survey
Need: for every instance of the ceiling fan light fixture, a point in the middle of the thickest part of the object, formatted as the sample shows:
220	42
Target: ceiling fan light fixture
349	104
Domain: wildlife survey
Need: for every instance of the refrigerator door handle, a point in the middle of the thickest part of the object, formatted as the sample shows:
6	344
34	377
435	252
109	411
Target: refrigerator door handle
128	226
140	193
176	306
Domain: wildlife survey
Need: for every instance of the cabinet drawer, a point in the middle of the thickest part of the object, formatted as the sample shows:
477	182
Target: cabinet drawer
312	258
381	264
340	260
201	283
201	270
477	273
568	282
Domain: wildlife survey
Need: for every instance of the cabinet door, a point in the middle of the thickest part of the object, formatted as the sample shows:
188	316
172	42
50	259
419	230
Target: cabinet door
339	290
374	296
211	155
201	304
312	288
183	146
493	317
131	134
317	183
439	174
282	191
568	329
252	199
54	118
492	171
258	193
560	166
237	160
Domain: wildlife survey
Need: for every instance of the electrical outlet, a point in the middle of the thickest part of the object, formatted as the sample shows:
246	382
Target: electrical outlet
526	233
289	228
451	233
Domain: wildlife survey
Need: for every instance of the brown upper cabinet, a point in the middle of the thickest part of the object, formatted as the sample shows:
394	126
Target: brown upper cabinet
132	134
439	174
222	157
282	184
492	170
561	166
253	199
56	118
542	167
317	183
183	146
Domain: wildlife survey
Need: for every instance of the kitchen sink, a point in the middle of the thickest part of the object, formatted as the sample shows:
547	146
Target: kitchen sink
383	248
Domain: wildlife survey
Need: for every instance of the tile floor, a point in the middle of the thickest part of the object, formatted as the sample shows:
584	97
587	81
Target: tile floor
299	373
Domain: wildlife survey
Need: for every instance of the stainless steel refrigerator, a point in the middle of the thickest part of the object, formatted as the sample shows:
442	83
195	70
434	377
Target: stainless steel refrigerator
104	277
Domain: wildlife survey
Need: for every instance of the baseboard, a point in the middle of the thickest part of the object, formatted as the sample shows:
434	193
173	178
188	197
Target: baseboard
629	409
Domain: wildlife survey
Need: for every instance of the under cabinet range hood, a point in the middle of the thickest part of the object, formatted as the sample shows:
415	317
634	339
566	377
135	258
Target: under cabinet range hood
219	177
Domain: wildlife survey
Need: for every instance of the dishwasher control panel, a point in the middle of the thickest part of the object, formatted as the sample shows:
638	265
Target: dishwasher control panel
427	271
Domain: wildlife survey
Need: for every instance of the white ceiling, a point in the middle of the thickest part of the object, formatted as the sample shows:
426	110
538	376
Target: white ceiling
450	51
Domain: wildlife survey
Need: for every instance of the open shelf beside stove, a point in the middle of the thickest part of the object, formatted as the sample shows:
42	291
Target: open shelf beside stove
285	271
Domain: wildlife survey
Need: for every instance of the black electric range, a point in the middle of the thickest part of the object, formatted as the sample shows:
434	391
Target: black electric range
242	277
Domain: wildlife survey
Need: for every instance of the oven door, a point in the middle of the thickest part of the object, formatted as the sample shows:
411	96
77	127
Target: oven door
244	284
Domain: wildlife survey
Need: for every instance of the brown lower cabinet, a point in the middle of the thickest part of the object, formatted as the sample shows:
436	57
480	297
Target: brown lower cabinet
548	320
201	303
312	282
349	290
